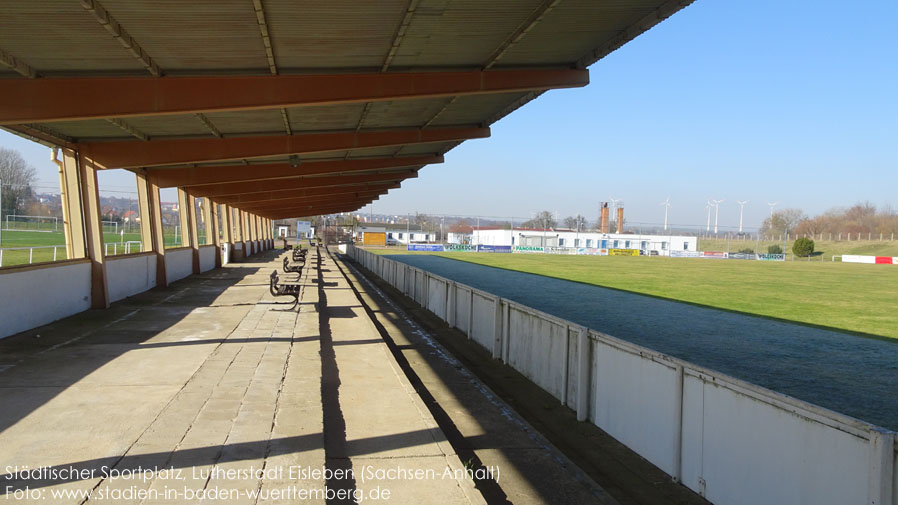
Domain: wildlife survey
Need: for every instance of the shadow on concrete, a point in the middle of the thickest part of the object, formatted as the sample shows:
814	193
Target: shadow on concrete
145	464
475	424
46	360
335	444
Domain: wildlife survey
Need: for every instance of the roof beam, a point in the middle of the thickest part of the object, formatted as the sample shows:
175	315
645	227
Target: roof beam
273	196
18	65
314	210
215	190
528	24
286	204
193	176
128	128
133	154
118	33
67	99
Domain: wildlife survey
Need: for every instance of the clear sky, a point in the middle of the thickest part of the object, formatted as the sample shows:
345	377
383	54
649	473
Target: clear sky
793	102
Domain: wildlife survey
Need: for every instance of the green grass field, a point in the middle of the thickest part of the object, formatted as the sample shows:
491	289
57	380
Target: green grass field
823	249
848	296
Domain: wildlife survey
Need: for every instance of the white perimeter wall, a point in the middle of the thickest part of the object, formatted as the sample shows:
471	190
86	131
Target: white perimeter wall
731	441
34	297
130	275
207	257
178	264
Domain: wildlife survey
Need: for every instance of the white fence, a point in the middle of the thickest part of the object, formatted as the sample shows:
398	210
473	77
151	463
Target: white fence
30	250
731	441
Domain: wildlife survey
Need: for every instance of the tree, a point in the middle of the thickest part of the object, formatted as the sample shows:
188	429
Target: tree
543	219
577	222
774	249
803	247
784	221
17	178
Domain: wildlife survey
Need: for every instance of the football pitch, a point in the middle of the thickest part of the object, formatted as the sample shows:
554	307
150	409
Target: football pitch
854	297
17	238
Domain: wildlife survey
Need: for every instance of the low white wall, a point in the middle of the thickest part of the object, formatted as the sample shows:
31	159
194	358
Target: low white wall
36	296
178	264
731	441
129	275
207	257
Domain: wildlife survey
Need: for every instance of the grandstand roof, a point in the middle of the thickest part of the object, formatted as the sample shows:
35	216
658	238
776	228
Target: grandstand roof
215	95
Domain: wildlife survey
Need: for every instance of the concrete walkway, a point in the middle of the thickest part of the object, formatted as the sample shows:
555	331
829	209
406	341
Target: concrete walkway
207	392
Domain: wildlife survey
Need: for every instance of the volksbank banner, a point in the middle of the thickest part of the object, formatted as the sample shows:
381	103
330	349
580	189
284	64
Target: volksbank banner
772	257
494	248
459	247
425	247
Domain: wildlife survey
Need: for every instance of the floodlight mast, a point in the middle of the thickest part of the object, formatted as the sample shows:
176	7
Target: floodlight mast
741	209
772	205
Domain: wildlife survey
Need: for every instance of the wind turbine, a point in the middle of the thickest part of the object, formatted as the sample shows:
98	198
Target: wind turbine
708	208
741	208
716	212
666	204
772	205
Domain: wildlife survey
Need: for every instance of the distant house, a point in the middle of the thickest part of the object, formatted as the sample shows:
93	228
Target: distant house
130	216
396	233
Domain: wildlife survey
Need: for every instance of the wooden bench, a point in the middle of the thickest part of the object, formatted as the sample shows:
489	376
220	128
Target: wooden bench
284	288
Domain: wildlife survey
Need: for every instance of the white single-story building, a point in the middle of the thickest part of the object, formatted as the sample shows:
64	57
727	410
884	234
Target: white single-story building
662	244
397	233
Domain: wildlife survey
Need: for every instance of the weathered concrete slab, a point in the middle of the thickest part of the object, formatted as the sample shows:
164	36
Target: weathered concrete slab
208	391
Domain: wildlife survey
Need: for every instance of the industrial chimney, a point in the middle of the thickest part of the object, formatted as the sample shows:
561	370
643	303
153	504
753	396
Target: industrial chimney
603	222
620	219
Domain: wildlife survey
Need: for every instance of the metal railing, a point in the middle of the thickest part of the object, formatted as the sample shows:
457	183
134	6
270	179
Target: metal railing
126	247
30	250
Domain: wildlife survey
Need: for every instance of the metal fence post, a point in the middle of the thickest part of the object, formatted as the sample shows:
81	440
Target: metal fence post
497	335
582	374
882	460
678	422
471	314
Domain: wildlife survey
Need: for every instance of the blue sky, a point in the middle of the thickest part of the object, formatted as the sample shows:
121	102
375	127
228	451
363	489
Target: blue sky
767	101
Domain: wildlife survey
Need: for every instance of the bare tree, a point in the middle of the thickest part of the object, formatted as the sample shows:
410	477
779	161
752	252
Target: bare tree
784	221
544	219
17	178
577	222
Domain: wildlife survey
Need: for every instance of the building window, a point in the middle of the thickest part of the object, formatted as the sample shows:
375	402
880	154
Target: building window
561	242
589	242
663	246
576	242
614	244
626	244
389	235
645	245
400	236
685	246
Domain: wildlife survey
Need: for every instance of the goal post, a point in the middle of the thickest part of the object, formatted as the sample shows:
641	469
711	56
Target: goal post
18	222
